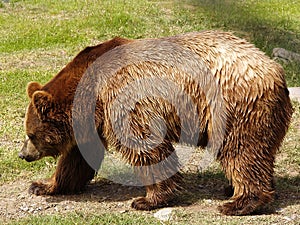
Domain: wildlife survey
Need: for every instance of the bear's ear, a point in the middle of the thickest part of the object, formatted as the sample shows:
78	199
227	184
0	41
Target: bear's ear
43	104
33	87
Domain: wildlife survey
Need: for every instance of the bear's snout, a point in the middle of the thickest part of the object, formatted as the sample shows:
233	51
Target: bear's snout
21	156
27	158
28	152
23	150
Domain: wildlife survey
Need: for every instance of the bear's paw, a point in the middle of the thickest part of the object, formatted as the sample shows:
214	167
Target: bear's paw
240	206
41	188
146	204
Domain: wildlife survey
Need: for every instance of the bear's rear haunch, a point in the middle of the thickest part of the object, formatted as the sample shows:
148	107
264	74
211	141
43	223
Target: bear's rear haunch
205	89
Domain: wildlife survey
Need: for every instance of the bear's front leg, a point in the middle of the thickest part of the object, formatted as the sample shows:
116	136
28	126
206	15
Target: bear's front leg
45	187
158	194
71	176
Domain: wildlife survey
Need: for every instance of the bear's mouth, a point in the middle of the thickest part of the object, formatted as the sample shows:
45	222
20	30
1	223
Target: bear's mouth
28	158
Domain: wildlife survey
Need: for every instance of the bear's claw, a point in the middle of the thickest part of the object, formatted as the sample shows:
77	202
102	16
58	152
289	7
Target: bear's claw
146	204
239	207
39	188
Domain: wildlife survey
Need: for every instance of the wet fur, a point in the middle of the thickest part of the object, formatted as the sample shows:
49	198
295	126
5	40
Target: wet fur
258	113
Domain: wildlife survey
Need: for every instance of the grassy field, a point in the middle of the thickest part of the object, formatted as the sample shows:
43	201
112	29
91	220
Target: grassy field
39	37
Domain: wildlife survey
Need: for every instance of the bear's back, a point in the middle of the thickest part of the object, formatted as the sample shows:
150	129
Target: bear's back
235	63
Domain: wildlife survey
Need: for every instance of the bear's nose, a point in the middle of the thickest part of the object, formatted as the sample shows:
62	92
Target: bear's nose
21	156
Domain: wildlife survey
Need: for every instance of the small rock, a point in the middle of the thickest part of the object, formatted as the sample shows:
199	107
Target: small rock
164	214
286	55
290	218
20	197
287	218
294	217
120	204
31	210
24	208
208	201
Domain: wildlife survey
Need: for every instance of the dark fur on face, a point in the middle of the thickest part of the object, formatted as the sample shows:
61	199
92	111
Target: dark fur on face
46	136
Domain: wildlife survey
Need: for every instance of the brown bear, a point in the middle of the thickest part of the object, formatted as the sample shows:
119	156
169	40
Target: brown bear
210	89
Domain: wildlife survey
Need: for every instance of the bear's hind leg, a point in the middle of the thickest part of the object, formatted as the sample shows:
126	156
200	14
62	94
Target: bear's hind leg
250	171
71	175
159	172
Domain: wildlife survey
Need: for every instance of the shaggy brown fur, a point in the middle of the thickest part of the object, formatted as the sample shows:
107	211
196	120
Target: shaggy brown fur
257	106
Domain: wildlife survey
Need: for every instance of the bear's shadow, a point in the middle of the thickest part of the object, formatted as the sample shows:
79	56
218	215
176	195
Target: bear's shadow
196	187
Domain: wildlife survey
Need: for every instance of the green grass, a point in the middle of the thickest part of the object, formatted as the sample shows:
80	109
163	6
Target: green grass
13	103
80	218
39	37
268	24
54	24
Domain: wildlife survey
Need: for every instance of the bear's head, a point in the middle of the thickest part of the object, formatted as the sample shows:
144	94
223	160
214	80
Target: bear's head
46	126
48	122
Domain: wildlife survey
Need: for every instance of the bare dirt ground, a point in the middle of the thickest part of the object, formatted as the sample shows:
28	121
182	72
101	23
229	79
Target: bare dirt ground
100	196
15	202
202	193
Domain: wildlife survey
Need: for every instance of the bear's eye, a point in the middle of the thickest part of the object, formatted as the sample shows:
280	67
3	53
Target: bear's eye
48	139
